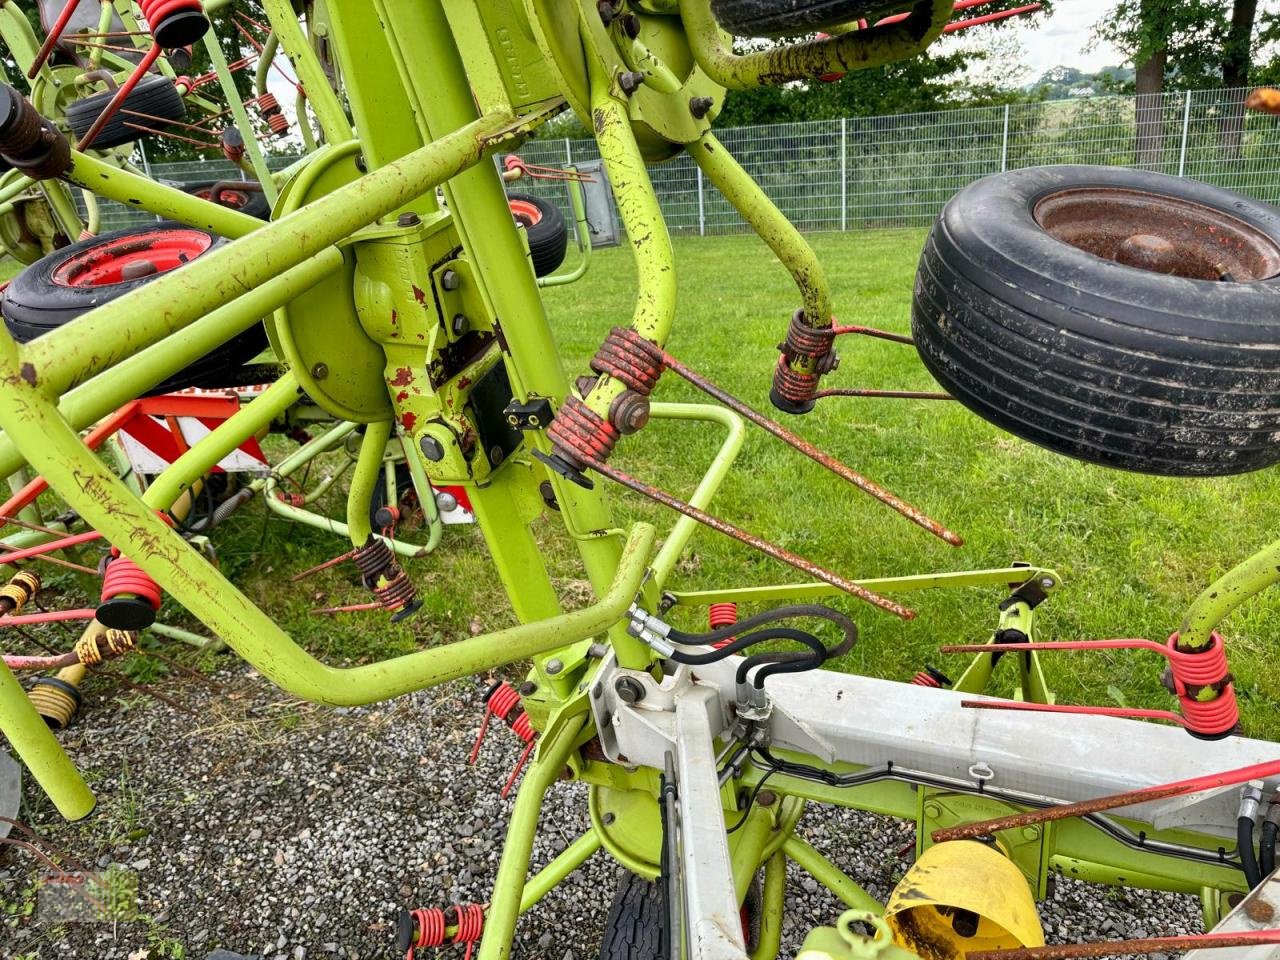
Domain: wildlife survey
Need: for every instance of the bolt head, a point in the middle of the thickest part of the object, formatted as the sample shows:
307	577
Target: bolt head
528	688
450	280
700	106
495	455
630	81
608	819
459	324
1048	583
554	666
606	11
409	219
628	689
320	371
446	501
630	25
432	448
766	798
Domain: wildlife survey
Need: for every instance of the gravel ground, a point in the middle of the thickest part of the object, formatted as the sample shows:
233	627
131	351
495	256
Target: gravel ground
262	825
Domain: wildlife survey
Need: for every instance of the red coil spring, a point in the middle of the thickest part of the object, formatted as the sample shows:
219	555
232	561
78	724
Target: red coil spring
630	358
124	576
581	435
159	13
431	923
1194	671
278	123
923	679
722	615
267	103
794	385
502	699
524	730
804	342
397	593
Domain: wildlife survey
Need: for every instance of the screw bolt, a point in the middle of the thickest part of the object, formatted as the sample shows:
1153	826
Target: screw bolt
606	11
554	666
460	324
700	106
629	412
628	689
409	219
495	455
630	82
548	494
432	449
320	371
630	25
528	688
608	819
766	798
450	280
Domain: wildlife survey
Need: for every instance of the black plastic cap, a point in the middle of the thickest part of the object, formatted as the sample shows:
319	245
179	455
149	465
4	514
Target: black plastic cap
181	29
404	932
563	467
126	613
790	406
409	610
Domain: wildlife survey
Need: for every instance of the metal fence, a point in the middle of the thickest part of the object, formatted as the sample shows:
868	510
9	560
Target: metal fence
897	171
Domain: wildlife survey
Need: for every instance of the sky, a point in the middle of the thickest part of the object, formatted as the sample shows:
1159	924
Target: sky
1061	39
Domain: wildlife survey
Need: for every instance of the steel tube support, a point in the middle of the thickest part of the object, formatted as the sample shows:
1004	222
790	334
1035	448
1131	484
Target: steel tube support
109	181
198	460
38	748
555	872
830	876
767	220
247	132
509	884
856	50
368	472
176	299
1226	593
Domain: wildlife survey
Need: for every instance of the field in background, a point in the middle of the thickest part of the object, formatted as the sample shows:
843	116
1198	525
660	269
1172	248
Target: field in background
1133	551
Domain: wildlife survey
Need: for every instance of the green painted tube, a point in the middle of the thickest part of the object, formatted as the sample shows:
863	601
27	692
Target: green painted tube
266	56
555	872
1233	588
582	232
109	181
830	876
685	527
767	220
508	886
39	749
368	471
252	148
775	894
199	459
323	101
177	299
784	63
426	494
64	210
646	229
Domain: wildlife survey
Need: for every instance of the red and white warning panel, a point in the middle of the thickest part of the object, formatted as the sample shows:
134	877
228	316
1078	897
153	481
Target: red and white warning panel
155	431
453	505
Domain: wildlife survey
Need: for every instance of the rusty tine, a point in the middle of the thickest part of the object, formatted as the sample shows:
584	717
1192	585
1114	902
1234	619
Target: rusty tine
322	566
813	453
1131	948
349	608
751	540
891	394
842	329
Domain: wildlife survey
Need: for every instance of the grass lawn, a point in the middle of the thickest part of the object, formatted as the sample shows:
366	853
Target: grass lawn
1133	551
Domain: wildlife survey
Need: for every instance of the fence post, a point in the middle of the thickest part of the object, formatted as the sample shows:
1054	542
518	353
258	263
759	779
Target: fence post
1004	142
1186	128
844	174
702	216
568	152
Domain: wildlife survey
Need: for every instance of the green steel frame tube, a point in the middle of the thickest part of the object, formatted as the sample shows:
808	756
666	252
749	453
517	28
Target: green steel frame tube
508	886
555	872
266	57
137	372
251	145
368	471
582	236
645	225
109	181
63	208
39	749
775	896
1226	593
830	876
16	187
199	459
685	527
426	493
857	50
767	220
324	103
177	299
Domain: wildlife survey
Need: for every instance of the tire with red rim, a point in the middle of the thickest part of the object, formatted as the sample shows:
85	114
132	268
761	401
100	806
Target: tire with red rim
251	202
544	225
70	282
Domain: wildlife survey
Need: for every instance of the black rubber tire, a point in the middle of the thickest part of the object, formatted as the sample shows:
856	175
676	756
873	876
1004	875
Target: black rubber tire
33	305
1093	359
637	922
155	96
251	202
782	18
548	234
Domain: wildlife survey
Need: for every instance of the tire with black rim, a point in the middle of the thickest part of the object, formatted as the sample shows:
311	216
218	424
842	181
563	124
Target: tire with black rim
781	18
235	196
636	928
544	225
152	103
1117	316
70	282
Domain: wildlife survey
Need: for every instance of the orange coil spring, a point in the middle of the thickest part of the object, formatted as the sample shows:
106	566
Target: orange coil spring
267	103
397	593
580	435
431	926
630	358
124	576
722	615
1196	671
163	17
522	728
500	701
931	677
278	123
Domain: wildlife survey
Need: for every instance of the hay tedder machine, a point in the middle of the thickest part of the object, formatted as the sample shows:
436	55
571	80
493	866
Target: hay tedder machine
1116	316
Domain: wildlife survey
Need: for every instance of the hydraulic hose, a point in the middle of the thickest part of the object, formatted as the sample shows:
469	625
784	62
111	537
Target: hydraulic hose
1267	850
1248	857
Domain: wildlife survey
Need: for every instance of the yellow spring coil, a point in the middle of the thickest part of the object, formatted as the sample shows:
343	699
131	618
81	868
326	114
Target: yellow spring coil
94	646
18	591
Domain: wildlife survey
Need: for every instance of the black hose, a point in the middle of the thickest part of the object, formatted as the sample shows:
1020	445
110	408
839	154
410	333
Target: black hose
1248	858
799	661
795	611
1267	850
